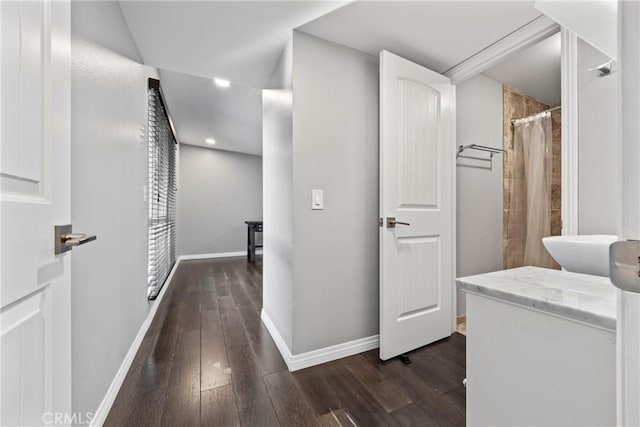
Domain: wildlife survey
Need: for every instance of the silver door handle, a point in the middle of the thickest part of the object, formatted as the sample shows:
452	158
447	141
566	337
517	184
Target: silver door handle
65	239
624	265
391	222
77	239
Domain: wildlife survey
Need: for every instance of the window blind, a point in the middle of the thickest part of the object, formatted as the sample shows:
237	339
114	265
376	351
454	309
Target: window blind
161	193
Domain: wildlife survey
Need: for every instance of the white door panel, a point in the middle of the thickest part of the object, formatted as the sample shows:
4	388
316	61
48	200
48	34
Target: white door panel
25	54
417	157
10	73
34	58
35	328
24	349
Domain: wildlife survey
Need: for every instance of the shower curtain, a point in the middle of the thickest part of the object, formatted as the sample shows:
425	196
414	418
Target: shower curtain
532	141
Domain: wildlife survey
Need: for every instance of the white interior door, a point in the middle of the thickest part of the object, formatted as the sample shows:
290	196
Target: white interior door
35	328
417	187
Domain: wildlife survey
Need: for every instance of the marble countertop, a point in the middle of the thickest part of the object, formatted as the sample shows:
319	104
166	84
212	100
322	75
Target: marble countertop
590	299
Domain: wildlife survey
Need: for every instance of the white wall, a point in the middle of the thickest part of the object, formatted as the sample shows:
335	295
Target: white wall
277	152
324	135
282	74
109	170
598	184
479	191
335	148
104	24
219	190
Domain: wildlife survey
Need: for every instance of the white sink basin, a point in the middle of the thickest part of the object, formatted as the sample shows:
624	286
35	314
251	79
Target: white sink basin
581	254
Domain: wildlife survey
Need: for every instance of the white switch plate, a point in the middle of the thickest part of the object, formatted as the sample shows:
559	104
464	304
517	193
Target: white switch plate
317	200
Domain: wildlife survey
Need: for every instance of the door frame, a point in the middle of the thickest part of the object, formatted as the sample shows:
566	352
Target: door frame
569	134
628	319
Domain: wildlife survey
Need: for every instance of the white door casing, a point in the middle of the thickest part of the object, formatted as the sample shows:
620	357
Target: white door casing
35	327
417	186
628	324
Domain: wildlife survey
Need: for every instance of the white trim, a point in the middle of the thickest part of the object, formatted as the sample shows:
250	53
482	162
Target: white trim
322	355
628	327
216	255
531	33
454	220
100	416
277	338
569	137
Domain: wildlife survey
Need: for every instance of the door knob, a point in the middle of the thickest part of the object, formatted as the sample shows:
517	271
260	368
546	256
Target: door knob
391	222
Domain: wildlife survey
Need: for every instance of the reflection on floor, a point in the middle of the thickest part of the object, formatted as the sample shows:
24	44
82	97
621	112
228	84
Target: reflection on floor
208	360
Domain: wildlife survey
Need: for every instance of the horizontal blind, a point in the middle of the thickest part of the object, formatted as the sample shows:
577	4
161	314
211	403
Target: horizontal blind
162	195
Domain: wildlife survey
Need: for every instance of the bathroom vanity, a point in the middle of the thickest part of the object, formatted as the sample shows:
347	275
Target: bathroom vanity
540	348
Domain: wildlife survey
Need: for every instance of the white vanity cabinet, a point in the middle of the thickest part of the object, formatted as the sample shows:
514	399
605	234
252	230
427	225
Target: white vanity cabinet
540	348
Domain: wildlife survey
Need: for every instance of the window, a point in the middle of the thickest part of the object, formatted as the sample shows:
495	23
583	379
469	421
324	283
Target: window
161	192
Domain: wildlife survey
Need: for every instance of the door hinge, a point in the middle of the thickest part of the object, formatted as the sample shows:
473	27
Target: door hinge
380	222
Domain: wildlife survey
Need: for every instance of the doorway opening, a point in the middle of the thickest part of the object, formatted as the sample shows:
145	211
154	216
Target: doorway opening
511	197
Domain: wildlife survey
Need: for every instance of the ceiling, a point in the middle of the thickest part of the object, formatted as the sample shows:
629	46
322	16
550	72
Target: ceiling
534	71
194	41
435	34
200	109
236	40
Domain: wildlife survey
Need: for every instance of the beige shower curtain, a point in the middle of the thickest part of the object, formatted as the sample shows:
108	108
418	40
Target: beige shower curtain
532	141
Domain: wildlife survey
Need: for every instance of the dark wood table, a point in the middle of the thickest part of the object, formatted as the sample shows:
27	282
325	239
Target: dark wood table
253	227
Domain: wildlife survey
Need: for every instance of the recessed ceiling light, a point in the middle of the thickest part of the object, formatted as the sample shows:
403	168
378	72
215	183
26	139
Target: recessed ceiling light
210	141
222	82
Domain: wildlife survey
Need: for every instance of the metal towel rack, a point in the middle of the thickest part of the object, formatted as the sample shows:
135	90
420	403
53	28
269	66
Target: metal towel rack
491	150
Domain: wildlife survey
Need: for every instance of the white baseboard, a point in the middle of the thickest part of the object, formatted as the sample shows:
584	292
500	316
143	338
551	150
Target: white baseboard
216	255
277	338
100	416
322	355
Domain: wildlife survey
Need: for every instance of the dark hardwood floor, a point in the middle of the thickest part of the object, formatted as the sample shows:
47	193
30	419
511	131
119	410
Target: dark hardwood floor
208	360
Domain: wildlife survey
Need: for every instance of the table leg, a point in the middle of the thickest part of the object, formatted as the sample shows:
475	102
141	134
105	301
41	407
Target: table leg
248	243
252	244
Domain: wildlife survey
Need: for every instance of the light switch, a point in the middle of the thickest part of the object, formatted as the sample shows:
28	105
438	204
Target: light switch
317	200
